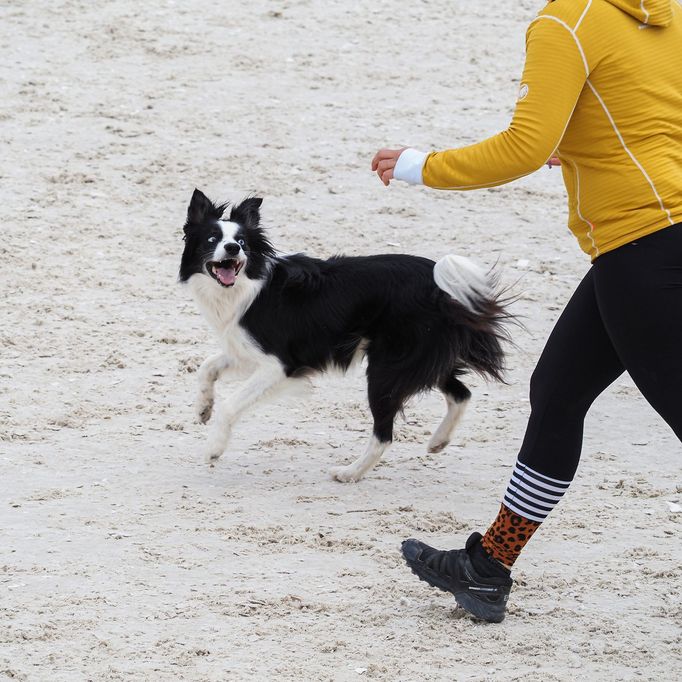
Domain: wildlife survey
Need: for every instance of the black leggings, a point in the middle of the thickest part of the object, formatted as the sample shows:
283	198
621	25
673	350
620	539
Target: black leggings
626	315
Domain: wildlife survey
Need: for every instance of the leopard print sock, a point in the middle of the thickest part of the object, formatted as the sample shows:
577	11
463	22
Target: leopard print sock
508	535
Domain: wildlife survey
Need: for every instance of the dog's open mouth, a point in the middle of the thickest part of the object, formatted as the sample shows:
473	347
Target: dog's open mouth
225	271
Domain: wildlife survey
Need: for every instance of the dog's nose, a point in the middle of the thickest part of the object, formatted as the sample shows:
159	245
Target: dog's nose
232	249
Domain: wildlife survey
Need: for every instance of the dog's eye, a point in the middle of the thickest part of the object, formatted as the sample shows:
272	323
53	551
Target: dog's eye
240	242
212	239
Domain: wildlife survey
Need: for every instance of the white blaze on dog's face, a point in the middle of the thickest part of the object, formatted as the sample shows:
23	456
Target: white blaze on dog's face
228	257
225	247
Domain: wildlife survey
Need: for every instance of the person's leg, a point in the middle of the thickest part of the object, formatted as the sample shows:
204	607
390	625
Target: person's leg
639	293
627	313
577	364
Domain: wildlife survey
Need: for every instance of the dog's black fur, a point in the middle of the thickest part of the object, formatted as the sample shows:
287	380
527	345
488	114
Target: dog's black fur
313	314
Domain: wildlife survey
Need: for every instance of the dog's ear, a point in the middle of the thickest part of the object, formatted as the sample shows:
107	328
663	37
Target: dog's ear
200	206
248	212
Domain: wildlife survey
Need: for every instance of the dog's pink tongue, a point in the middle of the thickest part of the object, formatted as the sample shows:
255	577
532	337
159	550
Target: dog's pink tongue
227	276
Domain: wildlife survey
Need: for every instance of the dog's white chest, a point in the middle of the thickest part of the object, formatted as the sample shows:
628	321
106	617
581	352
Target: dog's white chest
223	309
239	347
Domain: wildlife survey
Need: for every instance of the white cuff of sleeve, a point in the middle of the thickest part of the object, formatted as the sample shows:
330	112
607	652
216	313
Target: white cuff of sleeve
409	166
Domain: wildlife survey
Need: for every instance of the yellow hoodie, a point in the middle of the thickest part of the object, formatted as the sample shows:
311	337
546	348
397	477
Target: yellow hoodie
602	86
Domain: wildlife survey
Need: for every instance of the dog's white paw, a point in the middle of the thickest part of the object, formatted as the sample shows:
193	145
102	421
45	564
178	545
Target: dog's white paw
218	441
347	474
213	454
203	410
437	445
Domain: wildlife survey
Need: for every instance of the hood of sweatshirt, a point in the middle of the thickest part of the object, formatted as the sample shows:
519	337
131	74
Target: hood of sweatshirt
651	12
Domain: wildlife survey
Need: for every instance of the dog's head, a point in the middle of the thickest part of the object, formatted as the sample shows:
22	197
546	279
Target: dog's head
223	248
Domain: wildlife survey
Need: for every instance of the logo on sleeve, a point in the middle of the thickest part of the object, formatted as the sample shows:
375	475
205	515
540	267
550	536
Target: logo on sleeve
523	92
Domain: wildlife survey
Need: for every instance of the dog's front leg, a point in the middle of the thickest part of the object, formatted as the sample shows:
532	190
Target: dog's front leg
257	386
209	372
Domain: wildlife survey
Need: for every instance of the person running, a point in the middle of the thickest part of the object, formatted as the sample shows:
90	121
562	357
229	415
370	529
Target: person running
601	94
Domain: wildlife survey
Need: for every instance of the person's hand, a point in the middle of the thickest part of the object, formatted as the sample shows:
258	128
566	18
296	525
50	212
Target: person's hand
384	162
554	161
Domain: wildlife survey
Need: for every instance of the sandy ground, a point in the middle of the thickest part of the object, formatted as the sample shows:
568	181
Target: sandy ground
123	556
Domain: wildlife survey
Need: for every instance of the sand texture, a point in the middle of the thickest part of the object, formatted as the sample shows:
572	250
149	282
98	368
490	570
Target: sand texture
123	557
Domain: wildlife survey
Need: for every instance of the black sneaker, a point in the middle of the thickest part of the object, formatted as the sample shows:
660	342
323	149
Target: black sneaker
480	584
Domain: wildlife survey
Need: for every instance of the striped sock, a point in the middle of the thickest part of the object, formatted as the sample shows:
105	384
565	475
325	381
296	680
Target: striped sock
532	494
529	498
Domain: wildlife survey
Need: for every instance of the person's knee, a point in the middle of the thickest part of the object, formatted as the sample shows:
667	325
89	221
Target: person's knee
554	395
542	388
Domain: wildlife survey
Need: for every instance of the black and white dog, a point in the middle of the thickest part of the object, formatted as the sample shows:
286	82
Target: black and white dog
280	319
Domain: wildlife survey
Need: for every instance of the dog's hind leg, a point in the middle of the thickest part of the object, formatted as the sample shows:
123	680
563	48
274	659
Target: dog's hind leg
385	400
261	383
457	397
208	373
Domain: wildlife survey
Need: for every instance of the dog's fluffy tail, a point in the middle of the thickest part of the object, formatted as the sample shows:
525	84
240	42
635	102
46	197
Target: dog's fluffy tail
465	281
483	313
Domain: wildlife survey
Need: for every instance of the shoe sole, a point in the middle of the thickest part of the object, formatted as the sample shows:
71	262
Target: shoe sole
463	599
